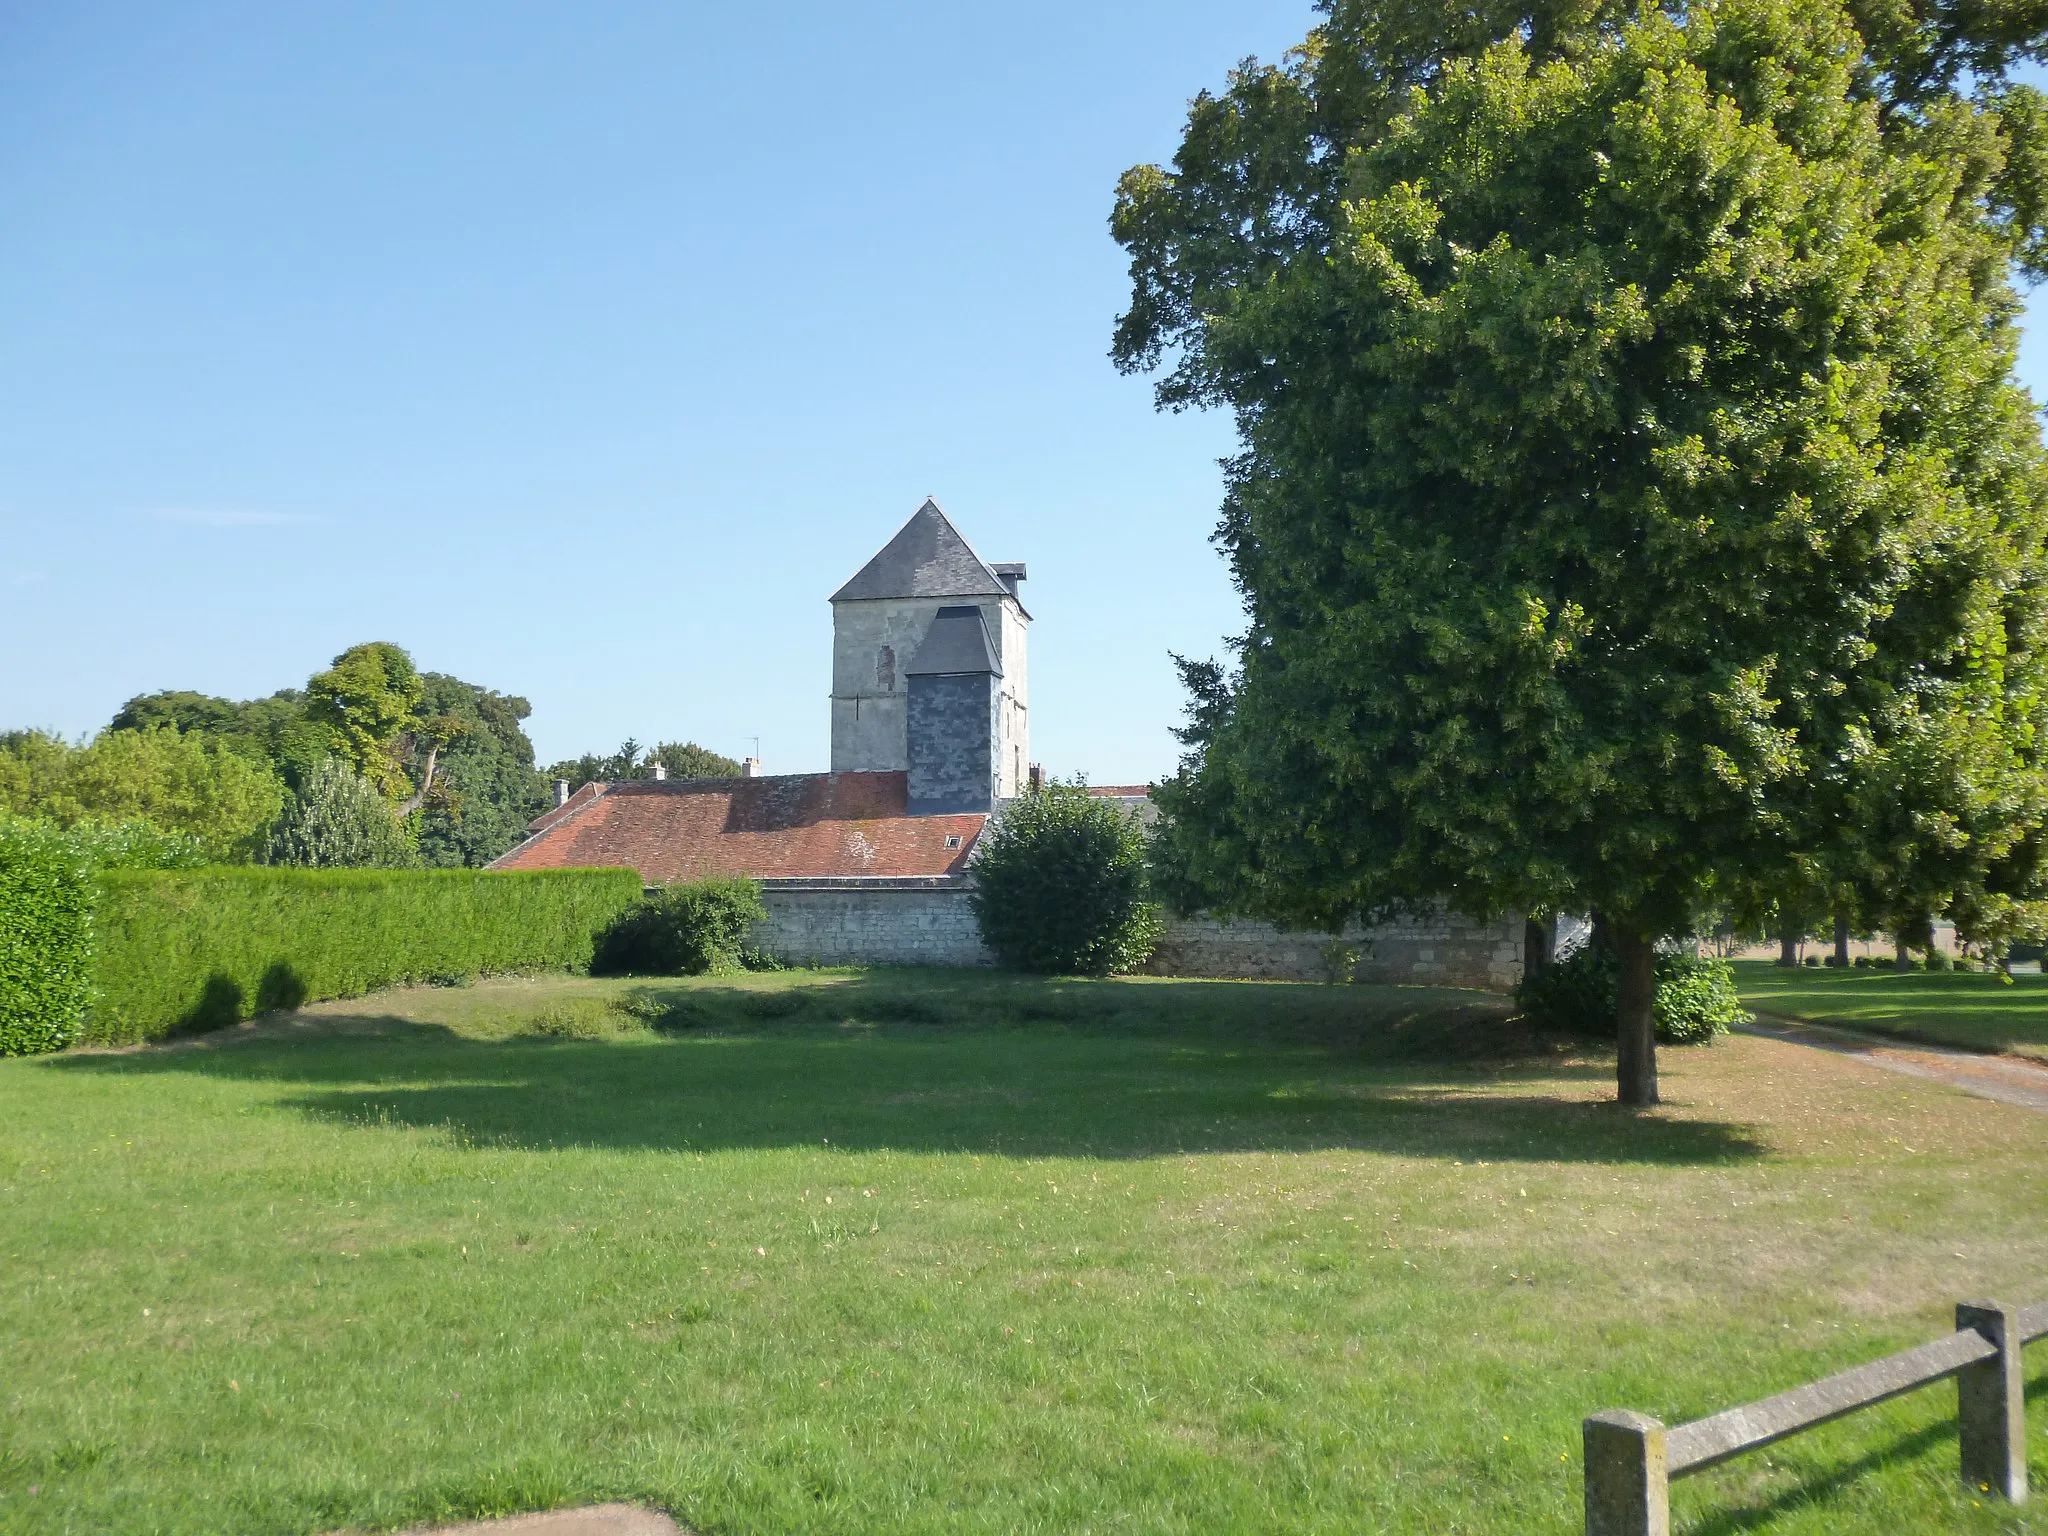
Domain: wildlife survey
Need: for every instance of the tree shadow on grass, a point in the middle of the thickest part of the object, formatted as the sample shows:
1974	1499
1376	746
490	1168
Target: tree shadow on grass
1035	1069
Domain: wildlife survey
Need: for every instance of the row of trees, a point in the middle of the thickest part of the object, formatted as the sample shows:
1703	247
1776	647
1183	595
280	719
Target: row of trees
372	763
1635	510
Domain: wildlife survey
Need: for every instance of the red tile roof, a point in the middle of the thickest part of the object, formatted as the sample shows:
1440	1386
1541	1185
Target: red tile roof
806	825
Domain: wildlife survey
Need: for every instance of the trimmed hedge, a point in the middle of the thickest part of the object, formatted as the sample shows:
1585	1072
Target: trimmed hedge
46	931
184	949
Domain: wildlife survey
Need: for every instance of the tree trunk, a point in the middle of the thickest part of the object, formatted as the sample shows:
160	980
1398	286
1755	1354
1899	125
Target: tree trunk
1635	1064
1842	941
1536	942
1788	948
1903	952
420	799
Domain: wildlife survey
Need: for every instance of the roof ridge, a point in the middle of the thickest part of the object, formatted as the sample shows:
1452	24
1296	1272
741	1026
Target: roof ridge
927	557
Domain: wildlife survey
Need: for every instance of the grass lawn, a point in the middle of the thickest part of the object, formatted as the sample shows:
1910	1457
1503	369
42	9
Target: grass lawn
947	1252
1975	1010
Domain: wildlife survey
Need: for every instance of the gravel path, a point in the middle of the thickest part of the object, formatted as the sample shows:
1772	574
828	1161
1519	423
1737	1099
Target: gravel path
2004	1078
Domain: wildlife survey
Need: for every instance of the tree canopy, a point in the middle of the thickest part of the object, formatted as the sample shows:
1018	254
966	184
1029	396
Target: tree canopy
1635	508
678	759
176	783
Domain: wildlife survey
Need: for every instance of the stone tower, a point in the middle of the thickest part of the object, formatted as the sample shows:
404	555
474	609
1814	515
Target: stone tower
928	673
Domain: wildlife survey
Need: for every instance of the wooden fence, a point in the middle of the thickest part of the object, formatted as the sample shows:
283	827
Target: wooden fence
1631	1458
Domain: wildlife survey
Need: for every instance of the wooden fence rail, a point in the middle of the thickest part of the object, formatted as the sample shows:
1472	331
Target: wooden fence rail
1631	1458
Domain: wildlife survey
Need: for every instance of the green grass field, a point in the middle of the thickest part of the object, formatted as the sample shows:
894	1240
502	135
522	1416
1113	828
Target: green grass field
1974	1010
946	1252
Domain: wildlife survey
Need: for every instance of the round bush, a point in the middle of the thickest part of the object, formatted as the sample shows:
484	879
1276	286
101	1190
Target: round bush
1059	885
1695	998
696	928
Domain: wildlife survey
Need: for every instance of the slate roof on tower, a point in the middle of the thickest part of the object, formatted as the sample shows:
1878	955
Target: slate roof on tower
957	642
927	558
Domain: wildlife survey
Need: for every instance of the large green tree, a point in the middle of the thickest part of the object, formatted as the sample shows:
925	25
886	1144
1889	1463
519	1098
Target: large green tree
277	729
1633	489
370	700
485	788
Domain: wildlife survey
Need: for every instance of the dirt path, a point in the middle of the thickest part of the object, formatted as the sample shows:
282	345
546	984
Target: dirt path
2004	1078
596	1520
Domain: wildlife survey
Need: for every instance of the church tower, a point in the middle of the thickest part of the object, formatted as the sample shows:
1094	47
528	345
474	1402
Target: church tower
928	672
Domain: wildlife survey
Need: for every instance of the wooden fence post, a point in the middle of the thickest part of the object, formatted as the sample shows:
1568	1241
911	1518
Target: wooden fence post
1628	1491
1991	1404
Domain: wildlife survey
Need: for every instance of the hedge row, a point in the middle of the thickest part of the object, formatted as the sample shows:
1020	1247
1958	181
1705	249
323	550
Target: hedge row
179	949
46	911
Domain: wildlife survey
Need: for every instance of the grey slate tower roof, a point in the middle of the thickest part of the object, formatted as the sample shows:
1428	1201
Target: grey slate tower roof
957	642
927	558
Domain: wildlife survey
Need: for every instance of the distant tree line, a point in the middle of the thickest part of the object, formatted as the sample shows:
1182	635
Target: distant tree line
371	764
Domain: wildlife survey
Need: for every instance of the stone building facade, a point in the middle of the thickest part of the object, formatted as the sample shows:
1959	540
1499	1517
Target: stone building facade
869	864
882	621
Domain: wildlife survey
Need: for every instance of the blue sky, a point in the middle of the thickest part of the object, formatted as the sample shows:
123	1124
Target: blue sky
585	350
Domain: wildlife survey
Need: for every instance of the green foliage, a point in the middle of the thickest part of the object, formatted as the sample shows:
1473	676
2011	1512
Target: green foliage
1695	998
135	844
276	730
1060	885
370	700
485	787
338	820
679	760
1635	501
46	934
195	949
692	928
185	784
31	769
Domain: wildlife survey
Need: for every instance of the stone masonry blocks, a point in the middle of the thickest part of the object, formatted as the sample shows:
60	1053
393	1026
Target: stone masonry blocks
928	921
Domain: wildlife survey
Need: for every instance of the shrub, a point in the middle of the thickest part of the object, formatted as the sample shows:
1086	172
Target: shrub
692	929
135	844
1059	885
339	821
1695	998
46	912
199	948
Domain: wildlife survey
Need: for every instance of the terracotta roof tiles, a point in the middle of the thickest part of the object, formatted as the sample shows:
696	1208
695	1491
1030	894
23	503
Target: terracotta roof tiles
789	826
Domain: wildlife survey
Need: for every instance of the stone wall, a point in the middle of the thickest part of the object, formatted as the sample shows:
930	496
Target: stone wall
905	921
1441	951
929	922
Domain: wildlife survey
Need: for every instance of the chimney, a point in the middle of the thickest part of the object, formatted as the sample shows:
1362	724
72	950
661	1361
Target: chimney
561	792
1009	573
660	770
751	768
1037	778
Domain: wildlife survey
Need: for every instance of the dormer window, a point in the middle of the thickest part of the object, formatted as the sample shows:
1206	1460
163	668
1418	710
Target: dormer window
953	842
